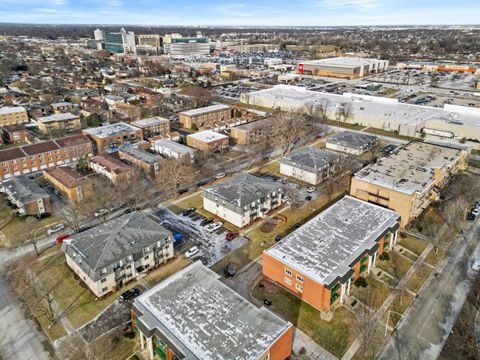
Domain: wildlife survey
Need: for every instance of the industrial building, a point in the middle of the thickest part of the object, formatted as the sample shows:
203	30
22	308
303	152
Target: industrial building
343	67
319	261
388	114
411	178
193	315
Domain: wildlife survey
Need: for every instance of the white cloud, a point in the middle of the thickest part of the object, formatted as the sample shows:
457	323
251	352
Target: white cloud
355	4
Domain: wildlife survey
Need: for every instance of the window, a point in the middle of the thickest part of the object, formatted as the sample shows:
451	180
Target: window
299	287
288	272
287	281
103	280
299	279
104	289
147	257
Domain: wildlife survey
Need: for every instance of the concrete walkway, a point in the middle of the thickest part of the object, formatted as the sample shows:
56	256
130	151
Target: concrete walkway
352	350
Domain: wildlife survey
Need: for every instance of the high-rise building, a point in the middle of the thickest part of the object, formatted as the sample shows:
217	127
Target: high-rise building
116	42
178	46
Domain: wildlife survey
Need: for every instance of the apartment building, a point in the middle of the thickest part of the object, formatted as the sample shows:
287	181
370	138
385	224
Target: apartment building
143	160
70	183
14	134
62	106
127	112
112	254
208	142
310	164
28	198
411	178
319	261
351	142
343	67
254	133
109	138
172	149
206	116
34	157
243	199
10	115
61	122
155	126
193	315
115	170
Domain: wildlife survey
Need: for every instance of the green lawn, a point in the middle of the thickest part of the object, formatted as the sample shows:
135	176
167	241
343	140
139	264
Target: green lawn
344	125
391	134
373	295
410	243
421	274
335	335
397	266
272	168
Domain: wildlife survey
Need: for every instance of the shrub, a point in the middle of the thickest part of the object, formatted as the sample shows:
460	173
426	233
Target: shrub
360	282
384	256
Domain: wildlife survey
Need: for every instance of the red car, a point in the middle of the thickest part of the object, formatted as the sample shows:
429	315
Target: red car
230	236
60	238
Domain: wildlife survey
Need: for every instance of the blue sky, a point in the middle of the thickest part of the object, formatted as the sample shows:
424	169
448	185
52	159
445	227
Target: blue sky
242	12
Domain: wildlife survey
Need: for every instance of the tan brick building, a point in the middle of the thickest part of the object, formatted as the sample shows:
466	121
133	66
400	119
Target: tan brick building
145	161
69	182
206	116
110	137
154	126
253	133
13	115
208	142
115	170
408	180
44	155
57	123
28	198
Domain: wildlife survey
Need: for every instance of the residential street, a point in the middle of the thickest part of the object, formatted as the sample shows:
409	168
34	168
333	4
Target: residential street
20	337
425	327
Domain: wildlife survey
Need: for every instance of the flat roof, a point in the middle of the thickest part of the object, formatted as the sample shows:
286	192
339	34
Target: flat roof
344	61
383	109
5	110
111	130
24	190
207	109
58	117
174	146
205	319
153	121
411	168
142	155
207	136
326	246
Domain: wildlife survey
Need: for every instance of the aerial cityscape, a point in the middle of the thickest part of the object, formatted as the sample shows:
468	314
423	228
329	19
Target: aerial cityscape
239	181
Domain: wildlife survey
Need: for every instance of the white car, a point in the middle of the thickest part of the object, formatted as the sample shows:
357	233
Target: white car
311	189
192	251
101	212
220	176
214	226
476	265
56	228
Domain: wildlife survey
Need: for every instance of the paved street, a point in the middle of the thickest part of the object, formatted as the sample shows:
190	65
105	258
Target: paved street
425	327
20	338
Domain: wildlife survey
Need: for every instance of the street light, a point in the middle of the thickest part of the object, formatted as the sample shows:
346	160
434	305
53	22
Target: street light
388	317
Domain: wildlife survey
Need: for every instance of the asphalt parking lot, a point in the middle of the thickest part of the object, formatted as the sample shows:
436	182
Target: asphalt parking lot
213	246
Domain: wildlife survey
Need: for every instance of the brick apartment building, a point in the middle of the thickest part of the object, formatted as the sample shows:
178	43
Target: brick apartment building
141	159
28	198
155	126
115	170
29	158
319	261
206	116
61	122
70	183
10	115
14	134
193	315
208	142
253	133
110	137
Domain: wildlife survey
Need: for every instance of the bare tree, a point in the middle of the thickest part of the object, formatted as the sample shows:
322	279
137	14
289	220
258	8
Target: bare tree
367	327
30	233
175	175
323	107
289	129
199	96
73	215
344	111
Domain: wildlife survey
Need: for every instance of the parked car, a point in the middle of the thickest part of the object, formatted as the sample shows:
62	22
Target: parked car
205	222
188	211
311	189
267	302
230	236
474	214
308	198
129	294
62	237
55	228
220	176
214	226
297	225
101	212
192	251
476	265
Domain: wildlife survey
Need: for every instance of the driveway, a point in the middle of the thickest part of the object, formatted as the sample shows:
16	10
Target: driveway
20	338
425	328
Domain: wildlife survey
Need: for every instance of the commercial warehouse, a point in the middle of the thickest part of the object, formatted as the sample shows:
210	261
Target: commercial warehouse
343	67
